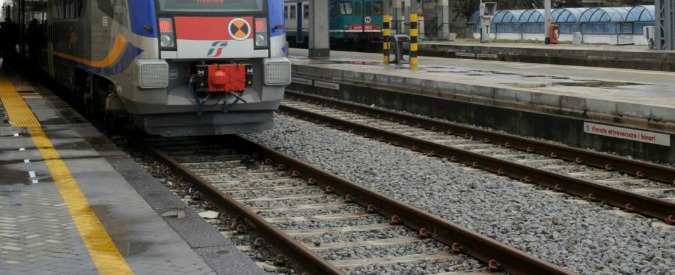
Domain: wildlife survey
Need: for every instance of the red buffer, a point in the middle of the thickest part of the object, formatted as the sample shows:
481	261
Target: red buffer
227	78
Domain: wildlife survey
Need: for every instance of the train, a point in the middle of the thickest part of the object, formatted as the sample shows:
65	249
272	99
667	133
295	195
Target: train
352	23
170	67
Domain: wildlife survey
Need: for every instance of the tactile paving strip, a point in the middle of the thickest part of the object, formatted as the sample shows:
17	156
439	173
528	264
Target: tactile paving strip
20	115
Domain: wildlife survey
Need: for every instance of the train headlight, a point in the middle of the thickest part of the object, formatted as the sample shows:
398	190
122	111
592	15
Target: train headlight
166	34
261	40
261	35
166	41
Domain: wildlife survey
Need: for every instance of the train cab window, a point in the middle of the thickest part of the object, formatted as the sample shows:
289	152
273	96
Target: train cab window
210	5
292	12
378	7
305	11
357	8
369	9
346	8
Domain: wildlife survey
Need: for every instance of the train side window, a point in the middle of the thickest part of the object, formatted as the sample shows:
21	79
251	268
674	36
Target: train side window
286	12
369	9
74	9
346	8
292	12
305	11
68	9
378	8
334	9
357	9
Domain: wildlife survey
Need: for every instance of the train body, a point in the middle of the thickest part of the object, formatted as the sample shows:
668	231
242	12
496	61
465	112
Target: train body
173	67
351	22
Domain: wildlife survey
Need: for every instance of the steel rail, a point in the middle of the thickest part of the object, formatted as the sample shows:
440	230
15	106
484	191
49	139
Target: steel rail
628	166
623	199
497	255
299	256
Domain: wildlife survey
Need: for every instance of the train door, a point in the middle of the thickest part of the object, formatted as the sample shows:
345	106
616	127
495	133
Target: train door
359	15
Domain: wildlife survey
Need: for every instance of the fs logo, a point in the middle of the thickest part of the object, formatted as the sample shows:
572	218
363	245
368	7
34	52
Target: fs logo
216	48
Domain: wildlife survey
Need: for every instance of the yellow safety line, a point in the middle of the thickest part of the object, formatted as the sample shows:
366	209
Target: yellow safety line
103	252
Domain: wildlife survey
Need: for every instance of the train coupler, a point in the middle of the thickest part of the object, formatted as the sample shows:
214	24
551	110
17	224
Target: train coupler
223	78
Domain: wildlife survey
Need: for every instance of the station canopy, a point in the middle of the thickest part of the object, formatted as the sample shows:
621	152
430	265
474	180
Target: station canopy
641	14
604	14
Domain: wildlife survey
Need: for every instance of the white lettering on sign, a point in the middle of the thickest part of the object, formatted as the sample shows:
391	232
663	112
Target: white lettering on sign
303	81
328	85
625	133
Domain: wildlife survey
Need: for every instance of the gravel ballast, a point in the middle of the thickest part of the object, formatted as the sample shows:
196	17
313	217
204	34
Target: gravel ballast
584	238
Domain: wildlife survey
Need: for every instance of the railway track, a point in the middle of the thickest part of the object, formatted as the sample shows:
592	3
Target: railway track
322	224
634	186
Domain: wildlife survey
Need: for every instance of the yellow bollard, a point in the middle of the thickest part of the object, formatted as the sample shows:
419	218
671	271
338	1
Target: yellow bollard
413	40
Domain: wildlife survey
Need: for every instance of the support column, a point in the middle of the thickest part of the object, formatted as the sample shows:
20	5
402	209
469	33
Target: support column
319	43
398	13
664	24
547	18
407	9
444	19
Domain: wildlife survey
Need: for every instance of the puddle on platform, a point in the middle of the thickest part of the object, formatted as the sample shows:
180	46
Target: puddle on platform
595	84
589	84
13	177
7	193
53	121
526	86
501	73
369	63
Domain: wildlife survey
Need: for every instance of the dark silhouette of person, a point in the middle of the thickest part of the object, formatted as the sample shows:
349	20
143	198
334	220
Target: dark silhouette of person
2	41
10	38
33	37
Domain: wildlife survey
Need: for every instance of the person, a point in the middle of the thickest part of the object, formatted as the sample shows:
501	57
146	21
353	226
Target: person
33	35
10	37
2	43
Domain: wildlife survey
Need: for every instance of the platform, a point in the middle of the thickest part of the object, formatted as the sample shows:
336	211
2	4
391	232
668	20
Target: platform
555	102
72	203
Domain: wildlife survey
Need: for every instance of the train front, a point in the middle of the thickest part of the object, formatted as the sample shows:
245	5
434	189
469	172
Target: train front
215	67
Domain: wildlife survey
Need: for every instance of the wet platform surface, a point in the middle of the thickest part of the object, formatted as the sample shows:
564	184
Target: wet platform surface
624	92
45	228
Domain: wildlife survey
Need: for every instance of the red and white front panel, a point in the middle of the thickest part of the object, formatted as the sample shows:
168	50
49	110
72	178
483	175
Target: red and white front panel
216	37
